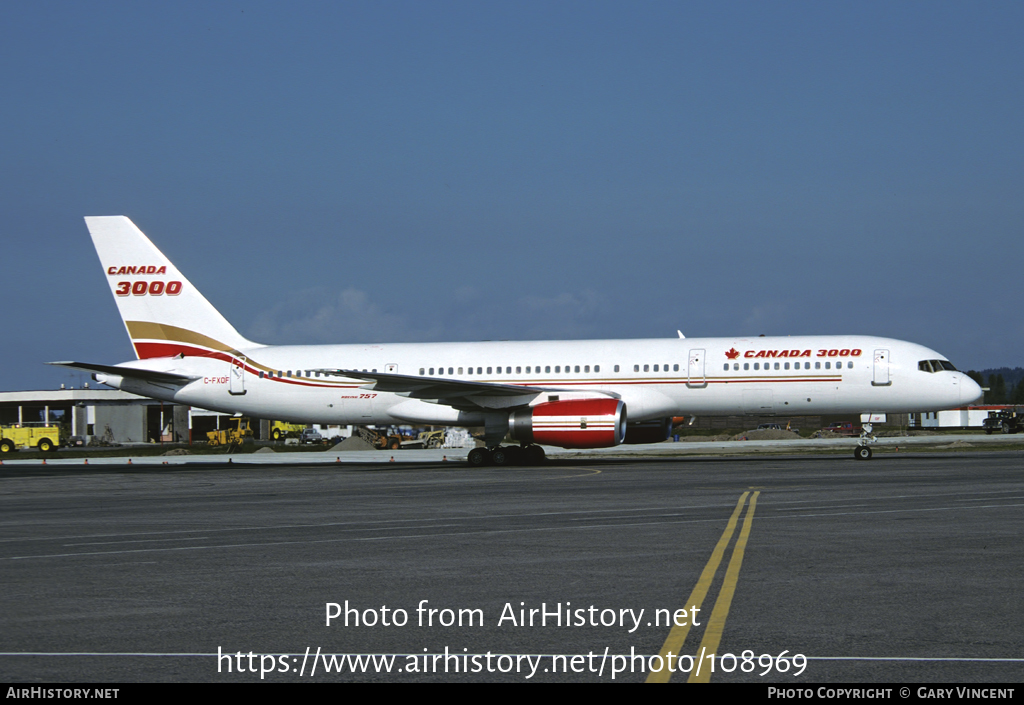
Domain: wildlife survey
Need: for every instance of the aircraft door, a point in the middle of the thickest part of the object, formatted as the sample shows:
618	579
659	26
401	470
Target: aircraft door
881	373
695	370
236	376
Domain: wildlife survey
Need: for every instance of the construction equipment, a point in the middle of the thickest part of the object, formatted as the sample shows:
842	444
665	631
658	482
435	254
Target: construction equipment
380	440
231	436
45	438
426	439
283	429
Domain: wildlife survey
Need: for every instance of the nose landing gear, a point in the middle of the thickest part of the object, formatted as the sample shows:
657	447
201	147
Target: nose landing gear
862	451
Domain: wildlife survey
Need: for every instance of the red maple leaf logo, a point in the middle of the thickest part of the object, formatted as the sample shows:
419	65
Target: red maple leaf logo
732	354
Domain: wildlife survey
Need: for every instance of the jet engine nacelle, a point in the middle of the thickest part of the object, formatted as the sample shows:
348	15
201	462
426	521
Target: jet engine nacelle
573	423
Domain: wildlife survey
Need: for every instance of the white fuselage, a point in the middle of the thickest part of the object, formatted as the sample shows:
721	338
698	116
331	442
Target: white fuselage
656	378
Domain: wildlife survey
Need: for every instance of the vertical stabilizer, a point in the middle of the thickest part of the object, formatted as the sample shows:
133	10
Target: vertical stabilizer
164	314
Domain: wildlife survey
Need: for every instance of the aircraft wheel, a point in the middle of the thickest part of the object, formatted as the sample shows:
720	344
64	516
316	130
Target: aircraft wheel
862	453
478	457
500	456
534	455
7	446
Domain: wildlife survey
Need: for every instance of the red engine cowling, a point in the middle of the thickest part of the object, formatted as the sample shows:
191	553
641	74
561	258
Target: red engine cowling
573	423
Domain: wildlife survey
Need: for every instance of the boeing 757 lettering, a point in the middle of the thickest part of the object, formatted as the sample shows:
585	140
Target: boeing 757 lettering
568	393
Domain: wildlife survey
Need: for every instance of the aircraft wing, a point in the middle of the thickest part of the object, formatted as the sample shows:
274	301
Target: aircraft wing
132	372
453	392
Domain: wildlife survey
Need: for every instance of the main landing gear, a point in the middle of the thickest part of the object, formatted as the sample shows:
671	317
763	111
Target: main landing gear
507	455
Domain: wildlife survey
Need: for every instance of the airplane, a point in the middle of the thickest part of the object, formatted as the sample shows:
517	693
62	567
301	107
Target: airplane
567	393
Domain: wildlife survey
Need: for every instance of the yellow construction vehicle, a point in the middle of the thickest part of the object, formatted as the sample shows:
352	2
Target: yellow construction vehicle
45	438
231	436
283	429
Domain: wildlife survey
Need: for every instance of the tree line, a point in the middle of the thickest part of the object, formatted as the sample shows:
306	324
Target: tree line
1005	385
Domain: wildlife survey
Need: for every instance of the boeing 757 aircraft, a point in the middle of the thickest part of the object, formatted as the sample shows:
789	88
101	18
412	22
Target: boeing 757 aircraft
568	393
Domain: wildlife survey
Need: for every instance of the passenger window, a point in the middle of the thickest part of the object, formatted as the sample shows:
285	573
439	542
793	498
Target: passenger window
828	365
558	369
261	374
647	368
586	368
786	366
422	371
776	365
519	370
726	368
849	365
817	365
577	368
431	371
746	365
597	368
736	366
460	370
636	368
479	370
469	370
508	370
757	365
547	369
655	368
488	370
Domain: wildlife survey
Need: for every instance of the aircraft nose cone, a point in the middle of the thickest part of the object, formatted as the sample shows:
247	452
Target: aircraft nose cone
970	391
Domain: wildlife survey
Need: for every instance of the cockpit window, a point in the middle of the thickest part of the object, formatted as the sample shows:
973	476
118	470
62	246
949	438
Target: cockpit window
935	366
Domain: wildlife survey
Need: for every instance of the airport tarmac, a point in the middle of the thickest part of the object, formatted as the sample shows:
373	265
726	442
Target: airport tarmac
902	569
282	455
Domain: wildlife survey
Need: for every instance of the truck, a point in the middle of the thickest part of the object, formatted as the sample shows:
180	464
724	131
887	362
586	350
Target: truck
310	435
45	438
843	429
1004	421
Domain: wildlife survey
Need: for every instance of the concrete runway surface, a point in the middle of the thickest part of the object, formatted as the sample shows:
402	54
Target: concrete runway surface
906	568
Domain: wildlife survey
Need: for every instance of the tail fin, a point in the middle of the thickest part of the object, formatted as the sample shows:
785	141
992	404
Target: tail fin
164	314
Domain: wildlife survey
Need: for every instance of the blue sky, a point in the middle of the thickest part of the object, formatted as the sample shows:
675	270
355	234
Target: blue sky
375	172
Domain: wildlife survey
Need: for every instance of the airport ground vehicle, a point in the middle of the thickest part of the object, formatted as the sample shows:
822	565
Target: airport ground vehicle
45	438
567	393
283	429
232	436
1005	421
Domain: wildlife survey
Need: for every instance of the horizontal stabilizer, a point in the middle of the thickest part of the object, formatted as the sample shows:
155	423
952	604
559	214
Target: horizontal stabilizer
132	372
